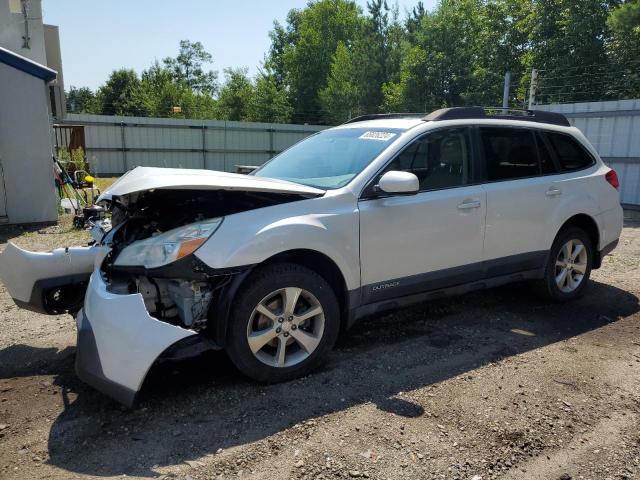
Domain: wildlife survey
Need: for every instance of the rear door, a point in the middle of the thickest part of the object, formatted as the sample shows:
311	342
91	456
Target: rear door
521	197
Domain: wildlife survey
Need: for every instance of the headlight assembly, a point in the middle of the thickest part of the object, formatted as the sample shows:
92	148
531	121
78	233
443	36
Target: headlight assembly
169	246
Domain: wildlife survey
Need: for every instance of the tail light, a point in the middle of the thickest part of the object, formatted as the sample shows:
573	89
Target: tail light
612	178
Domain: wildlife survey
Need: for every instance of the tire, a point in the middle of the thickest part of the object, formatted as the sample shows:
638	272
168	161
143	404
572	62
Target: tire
267	290
554	286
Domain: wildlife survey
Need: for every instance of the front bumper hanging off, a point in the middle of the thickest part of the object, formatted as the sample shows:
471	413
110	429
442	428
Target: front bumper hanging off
118	341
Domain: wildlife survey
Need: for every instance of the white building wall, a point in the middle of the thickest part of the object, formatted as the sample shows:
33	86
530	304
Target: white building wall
27	191
54	62
44	44
12	29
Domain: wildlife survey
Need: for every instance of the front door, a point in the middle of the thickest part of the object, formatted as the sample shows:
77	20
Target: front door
430	240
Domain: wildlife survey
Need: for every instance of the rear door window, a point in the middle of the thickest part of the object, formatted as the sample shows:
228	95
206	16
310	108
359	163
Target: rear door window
509	153
571	155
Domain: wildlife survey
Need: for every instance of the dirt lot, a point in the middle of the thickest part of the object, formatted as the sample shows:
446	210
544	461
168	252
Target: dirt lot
497	384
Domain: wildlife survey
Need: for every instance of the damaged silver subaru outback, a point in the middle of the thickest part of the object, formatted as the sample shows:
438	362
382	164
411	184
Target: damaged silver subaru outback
376	214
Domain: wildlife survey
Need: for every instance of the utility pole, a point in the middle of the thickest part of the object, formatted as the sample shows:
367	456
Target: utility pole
505	92
533	86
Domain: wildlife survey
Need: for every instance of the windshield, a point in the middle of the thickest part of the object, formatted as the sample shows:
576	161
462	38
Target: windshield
329	159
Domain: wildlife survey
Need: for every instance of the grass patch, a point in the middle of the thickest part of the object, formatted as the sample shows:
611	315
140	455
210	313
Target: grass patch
45	236
48	236
103	183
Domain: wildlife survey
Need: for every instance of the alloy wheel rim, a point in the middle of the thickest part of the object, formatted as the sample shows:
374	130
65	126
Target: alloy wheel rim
571	265
285	327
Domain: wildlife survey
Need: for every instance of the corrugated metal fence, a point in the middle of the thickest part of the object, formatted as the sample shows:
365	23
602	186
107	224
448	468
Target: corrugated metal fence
117	144
614	130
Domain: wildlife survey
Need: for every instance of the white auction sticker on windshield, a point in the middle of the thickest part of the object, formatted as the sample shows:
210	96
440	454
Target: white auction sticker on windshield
381	136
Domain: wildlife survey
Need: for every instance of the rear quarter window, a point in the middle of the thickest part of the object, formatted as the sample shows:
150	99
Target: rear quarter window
570	153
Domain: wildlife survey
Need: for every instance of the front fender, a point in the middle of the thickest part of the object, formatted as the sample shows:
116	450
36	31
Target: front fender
335	235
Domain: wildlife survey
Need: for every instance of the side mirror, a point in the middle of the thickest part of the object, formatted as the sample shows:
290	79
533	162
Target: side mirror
396	182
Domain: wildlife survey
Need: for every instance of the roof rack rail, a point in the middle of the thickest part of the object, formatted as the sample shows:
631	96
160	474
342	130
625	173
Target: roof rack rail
458	113
382	116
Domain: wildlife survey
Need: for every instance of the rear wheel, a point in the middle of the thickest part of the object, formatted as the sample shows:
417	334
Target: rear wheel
569	265
284	323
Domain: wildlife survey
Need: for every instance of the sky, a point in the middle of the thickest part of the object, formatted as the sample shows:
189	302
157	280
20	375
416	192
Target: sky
100	36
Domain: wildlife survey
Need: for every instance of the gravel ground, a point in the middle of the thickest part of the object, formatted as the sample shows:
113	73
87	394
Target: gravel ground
496	384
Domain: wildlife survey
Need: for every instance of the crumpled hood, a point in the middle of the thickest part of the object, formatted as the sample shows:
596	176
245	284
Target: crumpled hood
142	179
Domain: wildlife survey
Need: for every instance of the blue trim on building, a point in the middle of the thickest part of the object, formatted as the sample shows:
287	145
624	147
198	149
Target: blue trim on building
28	66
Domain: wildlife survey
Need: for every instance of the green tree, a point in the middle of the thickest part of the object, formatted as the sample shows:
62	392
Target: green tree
623	47
566	42
438	69
414	19
123	94
81	100
170	98
339	99
235	95
624	27
188	68
282	37
500	47
411	92
305	49
376	54
330	60
269	102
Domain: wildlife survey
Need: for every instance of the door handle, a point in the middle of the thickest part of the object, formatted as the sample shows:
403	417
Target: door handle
553	192
468	204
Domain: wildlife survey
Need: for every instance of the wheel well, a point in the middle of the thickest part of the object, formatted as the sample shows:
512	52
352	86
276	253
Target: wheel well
323	266
313	260
588	224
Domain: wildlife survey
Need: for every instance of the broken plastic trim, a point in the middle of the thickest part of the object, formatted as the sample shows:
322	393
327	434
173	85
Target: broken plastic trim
189	267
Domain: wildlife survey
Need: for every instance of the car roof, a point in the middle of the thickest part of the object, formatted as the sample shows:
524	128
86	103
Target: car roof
395	123
460	115
406	124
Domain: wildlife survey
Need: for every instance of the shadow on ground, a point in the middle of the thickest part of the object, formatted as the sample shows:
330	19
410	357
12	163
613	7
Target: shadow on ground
195	407
27	361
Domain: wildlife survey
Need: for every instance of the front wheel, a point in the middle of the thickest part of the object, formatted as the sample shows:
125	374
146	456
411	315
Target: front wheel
283	324
569	265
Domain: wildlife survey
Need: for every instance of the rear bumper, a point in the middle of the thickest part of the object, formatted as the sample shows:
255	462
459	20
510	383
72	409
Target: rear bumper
607	249
610	228
118	341
604	251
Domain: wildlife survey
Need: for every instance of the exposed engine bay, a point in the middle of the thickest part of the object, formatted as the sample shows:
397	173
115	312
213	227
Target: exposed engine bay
181	292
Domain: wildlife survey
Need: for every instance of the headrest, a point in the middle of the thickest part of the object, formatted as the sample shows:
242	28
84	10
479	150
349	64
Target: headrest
521	155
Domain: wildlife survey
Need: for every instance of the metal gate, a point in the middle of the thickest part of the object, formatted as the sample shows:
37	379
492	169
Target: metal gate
68	138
